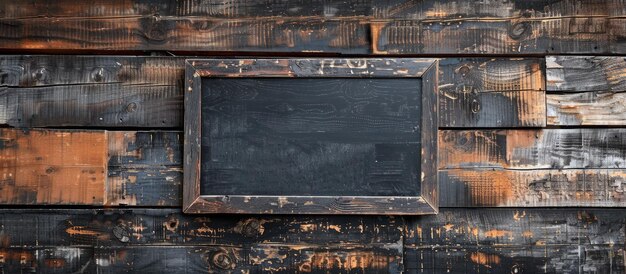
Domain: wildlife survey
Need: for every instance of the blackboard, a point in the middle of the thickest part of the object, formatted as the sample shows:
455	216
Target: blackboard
315	143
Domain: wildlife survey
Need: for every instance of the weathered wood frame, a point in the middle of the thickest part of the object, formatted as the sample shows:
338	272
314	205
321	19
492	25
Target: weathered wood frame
425	203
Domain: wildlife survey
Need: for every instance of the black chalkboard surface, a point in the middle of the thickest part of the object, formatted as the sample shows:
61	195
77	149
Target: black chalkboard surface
316	143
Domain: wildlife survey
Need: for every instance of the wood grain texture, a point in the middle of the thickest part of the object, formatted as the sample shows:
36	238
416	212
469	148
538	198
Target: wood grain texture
533	149
144	240
398	27
585	73
146	92
587	90
53	91
488	92
516	240
532	188
144	168
510	27
586	109
52	167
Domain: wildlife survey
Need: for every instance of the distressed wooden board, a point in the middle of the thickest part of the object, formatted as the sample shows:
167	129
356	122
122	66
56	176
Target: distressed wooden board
144	168
494	259
258	258
70	167
532	188
586	109
488	92
508	27
49	91
52	167
588	90
585	73
396	27
140	227
126	91
499	240
37	259
533	149
394	9
152	32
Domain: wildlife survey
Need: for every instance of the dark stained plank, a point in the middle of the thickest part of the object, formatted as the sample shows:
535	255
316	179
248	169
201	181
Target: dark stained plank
585	73
259	258
199	8
126	91
532	188
151	240
167	227
554	259
516	240
533	149
152	32
144	240
488	92
52	167
49	91
396	27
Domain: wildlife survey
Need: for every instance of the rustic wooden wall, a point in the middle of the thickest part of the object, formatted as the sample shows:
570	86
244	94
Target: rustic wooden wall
532	154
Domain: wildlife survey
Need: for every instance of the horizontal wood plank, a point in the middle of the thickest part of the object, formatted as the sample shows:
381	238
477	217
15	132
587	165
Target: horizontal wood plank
488	92
52	167
586	91
532	188
396	27
516	240
146	92
585	73
586	109
49	91
550	167
533	149
151	240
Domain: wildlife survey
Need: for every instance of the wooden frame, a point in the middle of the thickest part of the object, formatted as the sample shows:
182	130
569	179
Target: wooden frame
425	203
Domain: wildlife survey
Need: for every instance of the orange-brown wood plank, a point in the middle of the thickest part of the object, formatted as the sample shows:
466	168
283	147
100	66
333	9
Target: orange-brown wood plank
533	149
52	167
532	188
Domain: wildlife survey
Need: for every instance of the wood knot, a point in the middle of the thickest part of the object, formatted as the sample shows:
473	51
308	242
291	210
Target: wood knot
121	234
519	30
132	107
155	30
41	74
249	227
97	75
222	260
464	70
